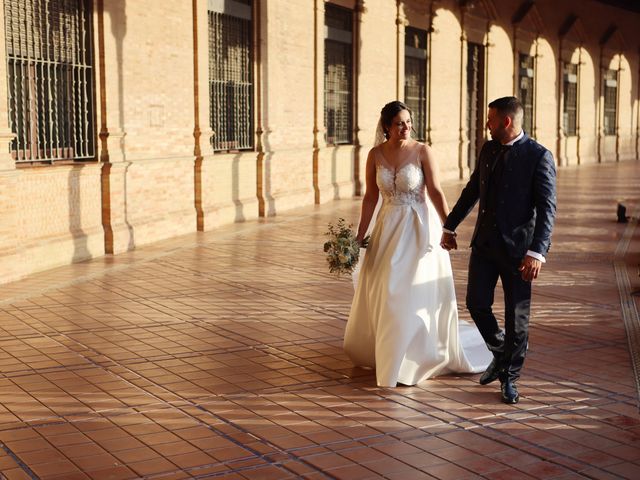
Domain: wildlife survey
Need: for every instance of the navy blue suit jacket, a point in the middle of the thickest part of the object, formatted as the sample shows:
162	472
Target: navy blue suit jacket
525	202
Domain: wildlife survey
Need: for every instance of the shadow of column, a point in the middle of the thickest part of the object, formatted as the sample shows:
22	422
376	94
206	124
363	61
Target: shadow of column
113	155
68	81
74	195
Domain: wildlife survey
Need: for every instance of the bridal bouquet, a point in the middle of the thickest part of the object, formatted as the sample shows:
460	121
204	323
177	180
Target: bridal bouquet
342	249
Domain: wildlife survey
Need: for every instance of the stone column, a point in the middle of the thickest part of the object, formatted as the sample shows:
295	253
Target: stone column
111	30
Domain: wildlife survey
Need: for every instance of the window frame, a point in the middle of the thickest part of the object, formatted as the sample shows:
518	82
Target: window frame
570	99
416	56
339	37
610	102
51	84
475	106
232	80
526	70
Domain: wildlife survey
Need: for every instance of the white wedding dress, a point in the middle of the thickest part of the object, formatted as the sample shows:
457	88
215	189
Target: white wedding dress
404	319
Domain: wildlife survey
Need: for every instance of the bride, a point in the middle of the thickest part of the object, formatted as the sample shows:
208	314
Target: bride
404	320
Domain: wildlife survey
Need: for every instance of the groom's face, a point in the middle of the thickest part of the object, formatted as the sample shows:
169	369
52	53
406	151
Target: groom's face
496	124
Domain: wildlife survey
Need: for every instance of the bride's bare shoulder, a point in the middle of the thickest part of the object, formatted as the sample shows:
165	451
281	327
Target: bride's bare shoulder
427	148
423	148
375	150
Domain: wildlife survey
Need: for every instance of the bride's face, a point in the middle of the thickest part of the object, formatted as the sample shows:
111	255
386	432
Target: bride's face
400	128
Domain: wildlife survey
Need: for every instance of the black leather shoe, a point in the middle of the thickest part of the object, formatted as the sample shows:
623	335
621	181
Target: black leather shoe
509	392
491	373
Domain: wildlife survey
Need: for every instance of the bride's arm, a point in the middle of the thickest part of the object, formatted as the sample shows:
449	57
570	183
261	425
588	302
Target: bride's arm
370	198
430	169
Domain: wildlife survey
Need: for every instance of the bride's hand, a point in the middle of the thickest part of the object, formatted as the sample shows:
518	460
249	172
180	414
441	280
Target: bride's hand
363	242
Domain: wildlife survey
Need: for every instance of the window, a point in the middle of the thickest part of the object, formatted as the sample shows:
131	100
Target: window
569	117
525	91
231	74
610	101
338	75
475	100
50	79
415	78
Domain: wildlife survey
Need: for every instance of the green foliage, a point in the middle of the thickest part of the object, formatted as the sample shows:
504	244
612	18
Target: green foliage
342	248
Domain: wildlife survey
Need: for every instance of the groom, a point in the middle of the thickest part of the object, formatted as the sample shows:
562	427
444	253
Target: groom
515	182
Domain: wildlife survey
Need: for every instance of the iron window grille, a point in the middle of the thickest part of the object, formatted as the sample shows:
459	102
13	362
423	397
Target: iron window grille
338	75
231	81
525	91
570	109
475	100
610	101
50	79
415	78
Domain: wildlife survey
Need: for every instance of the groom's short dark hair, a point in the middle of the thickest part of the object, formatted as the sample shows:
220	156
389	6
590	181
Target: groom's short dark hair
507	106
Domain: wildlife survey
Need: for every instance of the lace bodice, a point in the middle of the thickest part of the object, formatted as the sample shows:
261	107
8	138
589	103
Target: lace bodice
404	186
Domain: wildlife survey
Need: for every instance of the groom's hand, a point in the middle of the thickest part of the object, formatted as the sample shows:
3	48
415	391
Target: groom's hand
530	268
448	241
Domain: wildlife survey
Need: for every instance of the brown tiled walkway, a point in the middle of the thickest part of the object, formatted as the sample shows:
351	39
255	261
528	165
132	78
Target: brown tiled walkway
218	355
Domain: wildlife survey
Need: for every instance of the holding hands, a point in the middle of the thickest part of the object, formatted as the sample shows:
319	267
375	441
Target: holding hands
448	241
529	268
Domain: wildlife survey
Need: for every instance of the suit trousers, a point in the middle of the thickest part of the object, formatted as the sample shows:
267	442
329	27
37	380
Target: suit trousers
488	262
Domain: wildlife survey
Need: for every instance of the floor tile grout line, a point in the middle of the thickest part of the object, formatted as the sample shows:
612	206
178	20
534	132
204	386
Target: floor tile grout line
229	422
244	287
23	466
192	404
599	342
584	389
630	316
545	458
293	451
248	347
627	235
381	434
266	293
137	299
104	270
196	322
193	470
437	435
629	311
141	376
577	301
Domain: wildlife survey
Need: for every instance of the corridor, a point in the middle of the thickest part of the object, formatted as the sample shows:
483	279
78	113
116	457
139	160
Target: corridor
218	355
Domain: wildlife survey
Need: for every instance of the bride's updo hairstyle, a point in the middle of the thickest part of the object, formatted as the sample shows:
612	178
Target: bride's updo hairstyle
388	113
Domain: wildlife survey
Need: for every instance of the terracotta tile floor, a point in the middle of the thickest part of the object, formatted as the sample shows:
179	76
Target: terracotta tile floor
218	355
